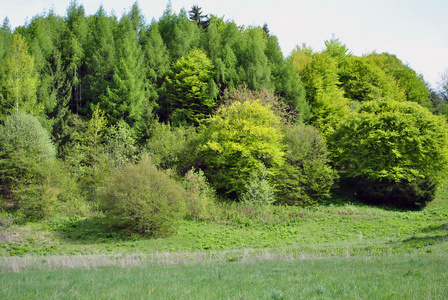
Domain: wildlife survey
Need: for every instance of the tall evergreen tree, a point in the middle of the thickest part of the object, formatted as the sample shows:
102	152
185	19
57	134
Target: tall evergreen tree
126	95
74	52
100	62
195	15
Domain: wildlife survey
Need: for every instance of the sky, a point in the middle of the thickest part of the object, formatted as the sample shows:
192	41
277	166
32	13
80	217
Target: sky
416	31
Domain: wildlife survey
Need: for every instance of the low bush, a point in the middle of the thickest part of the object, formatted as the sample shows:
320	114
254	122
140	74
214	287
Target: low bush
200	195
259	191
139	198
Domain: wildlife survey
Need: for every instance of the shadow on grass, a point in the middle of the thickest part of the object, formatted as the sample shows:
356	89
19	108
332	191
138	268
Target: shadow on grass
436	235
95	229
346	196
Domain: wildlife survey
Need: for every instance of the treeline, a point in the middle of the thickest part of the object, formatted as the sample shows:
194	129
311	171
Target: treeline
91	104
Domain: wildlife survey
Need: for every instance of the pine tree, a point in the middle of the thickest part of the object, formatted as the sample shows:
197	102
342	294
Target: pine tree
195	15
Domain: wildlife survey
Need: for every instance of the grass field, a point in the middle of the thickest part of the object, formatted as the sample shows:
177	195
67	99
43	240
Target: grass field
380	277
341	250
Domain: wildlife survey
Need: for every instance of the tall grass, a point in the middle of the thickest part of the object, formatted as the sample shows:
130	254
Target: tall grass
389	277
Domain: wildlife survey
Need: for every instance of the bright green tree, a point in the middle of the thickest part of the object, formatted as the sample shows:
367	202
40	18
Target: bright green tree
21	79
236	140
319	75
406	78
95	131
363	80
191	92
393	152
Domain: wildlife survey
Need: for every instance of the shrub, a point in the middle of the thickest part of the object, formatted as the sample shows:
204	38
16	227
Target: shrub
259	192
200	195
25	149
169	146
139	198
307	177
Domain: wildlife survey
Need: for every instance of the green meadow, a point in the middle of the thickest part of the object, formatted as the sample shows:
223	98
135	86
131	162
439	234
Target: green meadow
334	251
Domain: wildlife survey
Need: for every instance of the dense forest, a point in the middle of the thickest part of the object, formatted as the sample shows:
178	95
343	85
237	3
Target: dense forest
153	123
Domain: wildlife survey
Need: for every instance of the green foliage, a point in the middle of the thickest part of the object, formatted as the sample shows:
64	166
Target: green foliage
319	74
407	79
236	140
336	49
395	142
21	80
25	149
201	196
259	192
363	80
144	200
306	177
120	145
169	146
189	87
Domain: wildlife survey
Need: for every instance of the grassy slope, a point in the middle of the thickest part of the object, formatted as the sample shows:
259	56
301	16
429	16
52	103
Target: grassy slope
338	230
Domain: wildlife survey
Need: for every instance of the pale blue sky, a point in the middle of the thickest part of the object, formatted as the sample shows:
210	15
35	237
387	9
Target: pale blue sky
414	30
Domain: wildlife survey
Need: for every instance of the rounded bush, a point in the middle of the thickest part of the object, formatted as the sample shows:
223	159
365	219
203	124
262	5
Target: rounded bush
393	151
139	198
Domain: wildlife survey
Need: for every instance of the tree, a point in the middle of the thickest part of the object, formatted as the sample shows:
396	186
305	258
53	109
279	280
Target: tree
126	94
46	34
156	59
319	75
363	80
339	51
195	15
306	176
396	149
253	59
236	140
406	78
74	53
21	79
100	62
5	43
443	86
95	131
190	89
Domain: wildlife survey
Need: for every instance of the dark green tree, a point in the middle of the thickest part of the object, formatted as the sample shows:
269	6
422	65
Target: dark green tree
100	62
195	15
307	176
